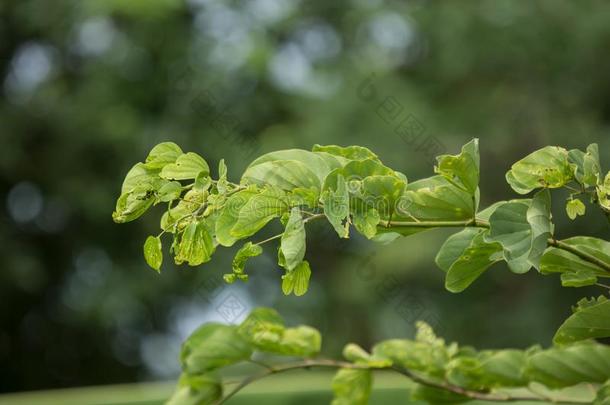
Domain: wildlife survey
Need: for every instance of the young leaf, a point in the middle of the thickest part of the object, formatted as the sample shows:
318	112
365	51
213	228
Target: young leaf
580	278
590	320
472	263
284	174
382	193
213	346
588	168
133	205
258	211
247	251
352	387
221	185
197	390
349	152
366	222
230	214
153	253
163	154
462	169
139	177
336	207
546	168
170	191
510	228
293	240
603	193
187	167
297	280
195	246
575	208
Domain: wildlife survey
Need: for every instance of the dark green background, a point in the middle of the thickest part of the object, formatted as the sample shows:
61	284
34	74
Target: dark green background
88	87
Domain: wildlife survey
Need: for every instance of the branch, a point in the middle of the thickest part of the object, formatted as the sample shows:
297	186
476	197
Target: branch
328	363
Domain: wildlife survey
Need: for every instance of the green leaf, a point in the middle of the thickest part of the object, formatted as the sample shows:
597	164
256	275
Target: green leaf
581	278
348	152
590	320
187	167
557	260
510	228
522	229
462	169
265	330
195	245
153	253
503	368
546	168
575	208
132	205
472	263
570	365
382	193
170	191
357	170
247	251
603	395
213	346
358	355
297	280
293	240
366	222
336	207
435	199
284	174
588	168
229	215
539	218
203	389
454	247
603	193
139	177
261	208
352	387
222	183
163	154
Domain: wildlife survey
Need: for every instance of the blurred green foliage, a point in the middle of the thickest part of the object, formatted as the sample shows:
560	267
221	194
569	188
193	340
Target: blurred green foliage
86	86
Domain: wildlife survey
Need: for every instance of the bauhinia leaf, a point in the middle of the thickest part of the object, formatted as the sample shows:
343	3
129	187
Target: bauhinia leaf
261	208
213	346
239	261
591	319
575	208
567	366
293	240
588	168
546	168
336	207
297	280
230	214
195	245
187	167
197	390
575	268
352	387
462	169
474	260
153	253
163	154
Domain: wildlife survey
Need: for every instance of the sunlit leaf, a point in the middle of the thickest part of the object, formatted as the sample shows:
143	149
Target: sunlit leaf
293	240
195	246
546	168
575	208
297	280
203	389
352	387
153	253
213	346
187	167
163	154
258	210
462	169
